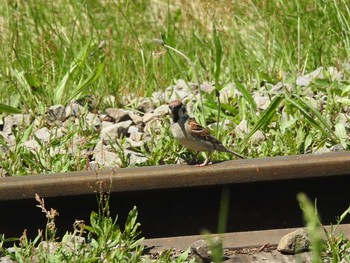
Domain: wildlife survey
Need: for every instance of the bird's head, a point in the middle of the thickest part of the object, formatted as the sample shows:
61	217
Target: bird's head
177	110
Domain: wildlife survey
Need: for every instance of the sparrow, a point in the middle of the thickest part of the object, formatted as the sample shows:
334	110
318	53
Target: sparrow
191	134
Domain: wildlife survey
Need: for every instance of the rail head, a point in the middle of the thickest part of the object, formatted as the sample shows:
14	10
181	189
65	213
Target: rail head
176	176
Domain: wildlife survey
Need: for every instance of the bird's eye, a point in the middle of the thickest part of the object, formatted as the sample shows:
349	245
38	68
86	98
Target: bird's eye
184	110
177	108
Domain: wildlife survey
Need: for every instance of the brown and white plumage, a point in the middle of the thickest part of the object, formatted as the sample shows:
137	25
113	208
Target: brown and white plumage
191	134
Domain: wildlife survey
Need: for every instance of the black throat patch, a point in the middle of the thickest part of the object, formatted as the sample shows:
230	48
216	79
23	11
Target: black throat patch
176	118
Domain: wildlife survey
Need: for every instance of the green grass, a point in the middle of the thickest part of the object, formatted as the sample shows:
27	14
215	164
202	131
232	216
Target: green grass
45	46
62	153
54	52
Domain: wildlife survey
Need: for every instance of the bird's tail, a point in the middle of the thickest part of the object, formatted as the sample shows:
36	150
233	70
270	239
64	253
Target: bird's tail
222	148
236	154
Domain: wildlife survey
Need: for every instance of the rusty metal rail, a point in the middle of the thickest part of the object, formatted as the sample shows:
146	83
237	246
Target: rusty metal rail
234	242
176	176
177	200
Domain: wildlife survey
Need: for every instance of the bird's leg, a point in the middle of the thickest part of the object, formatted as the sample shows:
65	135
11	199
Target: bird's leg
206	162
193	160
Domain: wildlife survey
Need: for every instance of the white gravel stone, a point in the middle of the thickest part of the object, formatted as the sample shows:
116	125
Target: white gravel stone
106	124
200	249
43	134
6	259
306	79
115	131
344	119
228	92
242	127
158	97
137	119
207	87
159	112
105	158
181	90
32	145
262	102
74	109
135	157
258	136
3	173
154	126
136	136
9	138
134	143
19	120
146	105
118	115
57	113
294	242
93	120
132	129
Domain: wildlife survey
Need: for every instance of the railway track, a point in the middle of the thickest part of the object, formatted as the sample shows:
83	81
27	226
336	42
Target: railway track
250	246
177	200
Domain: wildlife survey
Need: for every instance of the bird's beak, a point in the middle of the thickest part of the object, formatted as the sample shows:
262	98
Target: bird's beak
170	110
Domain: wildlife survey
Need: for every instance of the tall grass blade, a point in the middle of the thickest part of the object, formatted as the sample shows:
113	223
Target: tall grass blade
315	119
224	209
218	57
312	225
266	116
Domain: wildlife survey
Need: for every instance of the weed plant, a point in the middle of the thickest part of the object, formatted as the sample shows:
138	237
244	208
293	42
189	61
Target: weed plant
101	241
336	247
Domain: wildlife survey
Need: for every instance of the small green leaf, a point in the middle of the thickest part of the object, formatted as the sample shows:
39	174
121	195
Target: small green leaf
27	134
9	109
345	90
131	220
343	215
344	101
307	143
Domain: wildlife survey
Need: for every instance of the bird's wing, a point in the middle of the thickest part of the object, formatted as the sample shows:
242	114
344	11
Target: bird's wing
200	132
